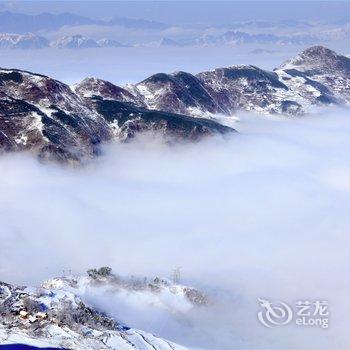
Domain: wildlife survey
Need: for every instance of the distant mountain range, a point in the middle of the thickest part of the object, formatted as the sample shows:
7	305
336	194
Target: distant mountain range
273	24
55	121
80	42
33	41
239	37
317	76
19	23
33	30
25	41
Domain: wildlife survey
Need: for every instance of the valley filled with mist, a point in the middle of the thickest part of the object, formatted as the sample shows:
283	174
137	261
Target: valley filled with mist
260	213
162	181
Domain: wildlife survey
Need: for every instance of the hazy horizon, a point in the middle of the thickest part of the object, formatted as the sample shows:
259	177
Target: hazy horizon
191	12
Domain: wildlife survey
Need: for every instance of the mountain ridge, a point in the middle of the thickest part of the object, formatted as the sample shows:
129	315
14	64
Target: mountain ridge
64	123
21	23
290	89
48	118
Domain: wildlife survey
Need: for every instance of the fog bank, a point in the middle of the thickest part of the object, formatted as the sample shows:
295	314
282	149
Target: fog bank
262	214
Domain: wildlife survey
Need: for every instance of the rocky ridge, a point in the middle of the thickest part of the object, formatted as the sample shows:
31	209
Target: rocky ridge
316	77
56	121
47	117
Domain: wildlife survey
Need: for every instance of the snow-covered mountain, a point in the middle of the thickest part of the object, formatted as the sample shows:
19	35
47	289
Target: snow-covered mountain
323	69
74	42
318	76
178	92
223	91
90	87
249	88
45	116
81	42
22	41
56	314
234	37
109	43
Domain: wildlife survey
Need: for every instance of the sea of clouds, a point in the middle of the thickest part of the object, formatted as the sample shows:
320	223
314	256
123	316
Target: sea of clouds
262	213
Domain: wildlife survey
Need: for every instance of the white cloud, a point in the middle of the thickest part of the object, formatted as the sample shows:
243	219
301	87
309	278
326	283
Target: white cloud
263	214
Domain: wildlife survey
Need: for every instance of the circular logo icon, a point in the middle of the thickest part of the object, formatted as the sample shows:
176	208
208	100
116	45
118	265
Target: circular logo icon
273	315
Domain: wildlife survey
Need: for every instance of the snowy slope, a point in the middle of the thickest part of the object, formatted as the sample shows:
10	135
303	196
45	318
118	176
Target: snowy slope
56	315
318	76
324	69
49	118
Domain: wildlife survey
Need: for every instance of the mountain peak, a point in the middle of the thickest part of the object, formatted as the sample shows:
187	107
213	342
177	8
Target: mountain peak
91	86
320	51
318	60
74	42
